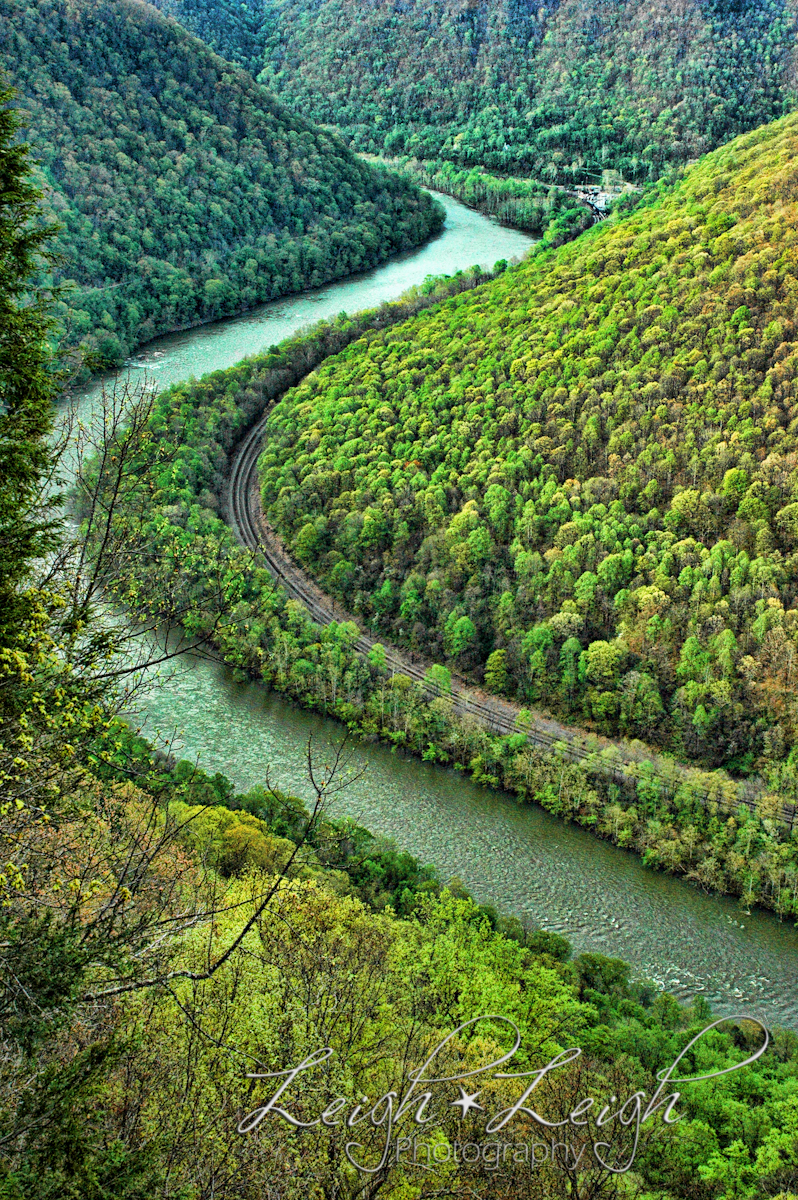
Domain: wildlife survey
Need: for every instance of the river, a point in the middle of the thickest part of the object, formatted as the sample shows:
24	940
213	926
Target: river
520	859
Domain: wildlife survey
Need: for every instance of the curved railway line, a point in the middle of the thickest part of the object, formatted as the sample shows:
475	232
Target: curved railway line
242	508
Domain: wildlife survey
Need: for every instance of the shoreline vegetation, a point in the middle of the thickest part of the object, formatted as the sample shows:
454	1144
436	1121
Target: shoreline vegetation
552	213
185	549
185	192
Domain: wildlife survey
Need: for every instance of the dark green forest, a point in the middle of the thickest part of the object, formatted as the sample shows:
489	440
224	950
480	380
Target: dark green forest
238	30
547	211
579	482
562	90
184	191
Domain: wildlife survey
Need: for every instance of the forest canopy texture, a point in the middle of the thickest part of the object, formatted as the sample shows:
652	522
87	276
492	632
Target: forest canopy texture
184	190
580	481
563	89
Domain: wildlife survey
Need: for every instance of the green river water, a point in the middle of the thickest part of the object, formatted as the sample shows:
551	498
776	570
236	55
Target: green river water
519	858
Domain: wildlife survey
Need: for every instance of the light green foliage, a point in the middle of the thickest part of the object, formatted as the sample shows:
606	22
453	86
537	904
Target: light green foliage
459	635
320	970
609	436
231	842
440	678
496	671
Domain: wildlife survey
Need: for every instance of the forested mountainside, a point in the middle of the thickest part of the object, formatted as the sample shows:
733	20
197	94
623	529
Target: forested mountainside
563	89
164	940
581	479
185	191
239	30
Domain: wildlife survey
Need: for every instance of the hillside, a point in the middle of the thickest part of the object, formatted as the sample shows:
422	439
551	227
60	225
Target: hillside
581	479
186	192
167	945
239	30
563	89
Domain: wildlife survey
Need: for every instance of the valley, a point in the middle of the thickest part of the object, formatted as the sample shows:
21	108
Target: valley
184	191
232	726
398	604
562	91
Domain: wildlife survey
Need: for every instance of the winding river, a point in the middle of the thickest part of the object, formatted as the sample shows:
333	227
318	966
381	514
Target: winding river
521	859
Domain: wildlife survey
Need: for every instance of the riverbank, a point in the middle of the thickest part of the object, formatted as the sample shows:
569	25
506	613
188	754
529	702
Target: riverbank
550	213
521	859
693	824
524	859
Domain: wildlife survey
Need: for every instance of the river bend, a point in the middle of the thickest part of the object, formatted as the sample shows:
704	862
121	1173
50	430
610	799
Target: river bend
521	859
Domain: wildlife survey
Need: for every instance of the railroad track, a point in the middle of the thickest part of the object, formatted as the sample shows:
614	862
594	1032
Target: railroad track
242	509
249	525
